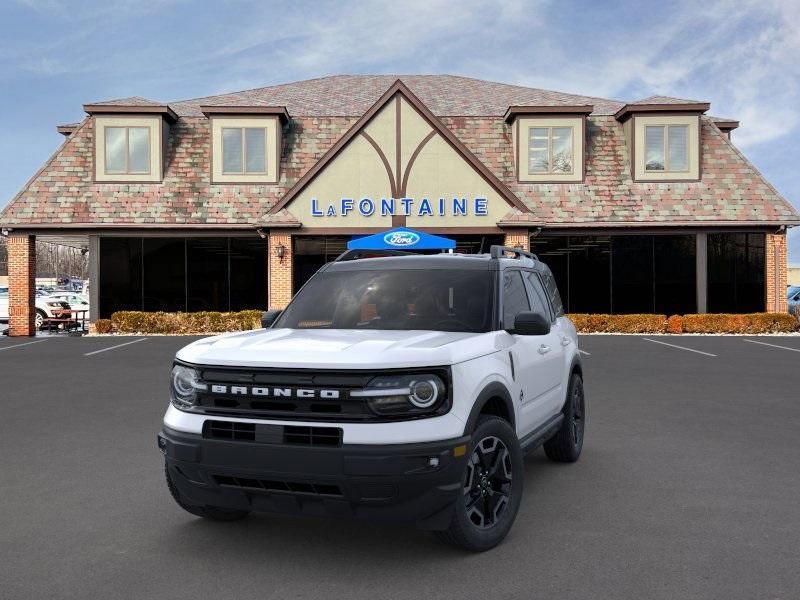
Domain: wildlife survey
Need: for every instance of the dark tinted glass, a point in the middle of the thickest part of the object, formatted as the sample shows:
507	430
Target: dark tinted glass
397	299
632	274
736	272
164	274
536	294
589	274
674	272
207	274
120	275
515	298
248	275
552	293
553	251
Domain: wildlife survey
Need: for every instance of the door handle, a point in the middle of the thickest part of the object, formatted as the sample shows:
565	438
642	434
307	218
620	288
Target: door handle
565	341
544	349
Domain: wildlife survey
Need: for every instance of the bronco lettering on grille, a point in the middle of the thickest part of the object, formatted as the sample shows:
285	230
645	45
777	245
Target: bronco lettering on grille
274	392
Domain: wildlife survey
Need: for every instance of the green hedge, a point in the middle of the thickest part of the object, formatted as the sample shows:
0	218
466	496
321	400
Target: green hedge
128	321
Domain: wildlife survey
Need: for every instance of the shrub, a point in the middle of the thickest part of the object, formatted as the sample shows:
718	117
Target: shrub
747	323
675	324
197	322
706	323
619	323
103	326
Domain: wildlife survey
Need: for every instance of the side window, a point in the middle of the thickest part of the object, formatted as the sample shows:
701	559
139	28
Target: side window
552	293
537	295
515	298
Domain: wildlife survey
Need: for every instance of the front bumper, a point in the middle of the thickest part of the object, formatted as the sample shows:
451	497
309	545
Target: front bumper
409	483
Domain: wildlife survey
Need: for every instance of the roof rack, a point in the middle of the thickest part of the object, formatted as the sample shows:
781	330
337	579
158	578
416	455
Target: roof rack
357	254
500	251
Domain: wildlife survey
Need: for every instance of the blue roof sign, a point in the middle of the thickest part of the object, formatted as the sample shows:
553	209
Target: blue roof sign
401	238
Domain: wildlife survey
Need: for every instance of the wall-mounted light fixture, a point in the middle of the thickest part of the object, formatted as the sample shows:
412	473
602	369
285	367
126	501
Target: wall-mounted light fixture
280	252
261	233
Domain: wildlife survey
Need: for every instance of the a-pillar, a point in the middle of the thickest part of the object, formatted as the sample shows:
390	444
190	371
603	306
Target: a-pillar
517	238
776	273
21	284
279	260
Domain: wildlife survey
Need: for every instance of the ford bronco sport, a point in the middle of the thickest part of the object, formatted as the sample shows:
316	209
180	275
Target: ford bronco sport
400	388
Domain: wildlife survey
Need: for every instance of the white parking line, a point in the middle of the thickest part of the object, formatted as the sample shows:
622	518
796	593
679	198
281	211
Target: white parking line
113	347
20	345
585	353
680	347
771	345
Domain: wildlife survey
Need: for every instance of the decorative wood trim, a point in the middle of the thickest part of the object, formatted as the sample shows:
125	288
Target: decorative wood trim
279	111
629	109
412	158
384	160
399	87
131	109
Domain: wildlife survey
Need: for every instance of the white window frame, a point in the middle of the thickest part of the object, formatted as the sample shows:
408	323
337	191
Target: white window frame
127	129
665	148
550	129
244	171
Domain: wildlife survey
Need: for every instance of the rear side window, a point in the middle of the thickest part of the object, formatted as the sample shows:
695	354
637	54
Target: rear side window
537	295
552	292
515	298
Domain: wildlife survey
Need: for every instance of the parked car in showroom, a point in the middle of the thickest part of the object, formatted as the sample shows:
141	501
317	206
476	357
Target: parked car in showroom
400	388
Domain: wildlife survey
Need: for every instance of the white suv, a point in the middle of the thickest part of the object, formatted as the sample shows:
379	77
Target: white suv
400	388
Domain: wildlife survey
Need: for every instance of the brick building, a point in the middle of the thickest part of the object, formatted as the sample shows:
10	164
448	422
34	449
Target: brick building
233	201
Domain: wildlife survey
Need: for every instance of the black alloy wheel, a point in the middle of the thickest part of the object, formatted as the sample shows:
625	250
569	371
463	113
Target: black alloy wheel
487	486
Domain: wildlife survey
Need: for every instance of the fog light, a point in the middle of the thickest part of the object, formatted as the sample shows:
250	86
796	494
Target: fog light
433	461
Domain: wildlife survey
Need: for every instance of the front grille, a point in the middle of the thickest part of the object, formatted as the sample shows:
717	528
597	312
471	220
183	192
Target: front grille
295	394
230	430
273	434
312	436
273	486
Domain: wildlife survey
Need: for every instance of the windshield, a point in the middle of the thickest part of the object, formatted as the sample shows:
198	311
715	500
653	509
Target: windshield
439	300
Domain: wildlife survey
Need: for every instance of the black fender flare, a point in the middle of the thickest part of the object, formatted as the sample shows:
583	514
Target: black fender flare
576	366
494	389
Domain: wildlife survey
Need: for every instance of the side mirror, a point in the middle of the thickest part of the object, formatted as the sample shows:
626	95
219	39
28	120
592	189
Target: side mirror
531	323
269	317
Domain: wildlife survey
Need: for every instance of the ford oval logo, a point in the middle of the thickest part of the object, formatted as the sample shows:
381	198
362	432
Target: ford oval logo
401	238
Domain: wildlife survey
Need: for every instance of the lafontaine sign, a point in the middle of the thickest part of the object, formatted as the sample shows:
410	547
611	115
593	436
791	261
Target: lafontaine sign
422	207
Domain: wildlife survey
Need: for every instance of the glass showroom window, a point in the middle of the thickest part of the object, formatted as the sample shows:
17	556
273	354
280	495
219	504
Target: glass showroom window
127	150
244	150
666	148
550	150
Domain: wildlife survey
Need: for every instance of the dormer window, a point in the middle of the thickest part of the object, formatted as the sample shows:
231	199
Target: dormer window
666	148
550	150
245	143
127	150
244	150
548	142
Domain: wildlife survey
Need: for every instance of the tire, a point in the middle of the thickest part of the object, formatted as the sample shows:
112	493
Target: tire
567	443
486	510
214	513
39	318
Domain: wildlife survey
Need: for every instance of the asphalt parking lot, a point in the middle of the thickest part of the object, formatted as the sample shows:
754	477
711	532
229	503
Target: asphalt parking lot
688	488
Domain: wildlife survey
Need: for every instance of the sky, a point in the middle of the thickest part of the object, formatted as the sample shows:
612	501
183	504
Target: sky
739	55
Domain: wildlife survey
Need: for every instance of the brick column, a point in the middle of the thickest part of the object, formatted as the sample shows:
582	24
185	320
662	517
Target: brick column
280	270
775	273
517	238
21	284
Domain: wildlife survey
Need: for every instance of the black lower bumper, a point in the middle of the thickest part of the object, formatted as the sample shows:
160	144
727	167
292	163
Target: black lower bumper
410	483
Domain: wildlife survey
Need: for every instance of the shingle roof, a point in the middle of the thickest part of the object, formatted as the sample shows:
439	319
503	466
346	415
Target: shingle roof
666	100
63	193
352	95
130	101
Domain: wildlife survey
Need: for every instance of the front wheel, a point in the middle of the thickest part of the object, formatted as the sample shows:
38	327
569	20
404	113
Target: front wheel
567	443
491	488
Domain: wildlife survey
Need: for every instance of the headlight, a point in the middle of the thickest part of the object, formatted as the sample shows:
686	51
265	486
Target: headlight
412	394
185	385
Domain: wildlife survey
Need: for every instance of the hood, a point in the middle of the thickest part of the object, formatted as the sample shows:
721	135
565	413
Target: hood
338	348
